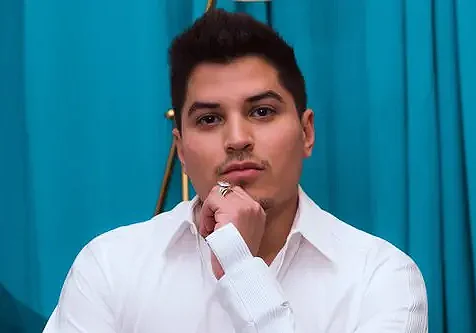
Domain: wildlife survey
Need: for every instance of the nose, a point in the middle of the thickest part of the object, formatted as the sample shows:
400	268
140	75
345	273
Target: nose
238	135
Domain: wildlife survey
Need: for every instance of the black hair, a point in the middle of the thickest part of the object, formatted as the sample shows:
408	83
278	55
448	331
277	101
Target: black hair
219	36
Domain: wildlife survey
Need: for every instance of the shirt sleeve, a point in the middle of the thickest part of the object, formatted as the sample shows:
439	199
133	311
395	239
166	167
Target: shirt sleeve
83	304
395	298
248	291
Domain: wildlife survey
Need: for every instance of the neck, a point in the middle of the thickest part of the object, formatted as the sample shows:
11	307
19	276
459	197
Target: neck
279	222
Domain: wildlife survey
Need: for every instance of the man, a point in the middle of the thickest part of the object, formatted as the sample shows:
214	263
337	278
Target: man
252	252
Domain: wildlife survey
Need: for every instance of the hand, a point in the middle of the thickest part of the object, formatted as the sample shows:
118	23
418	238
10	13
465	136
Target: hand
236	207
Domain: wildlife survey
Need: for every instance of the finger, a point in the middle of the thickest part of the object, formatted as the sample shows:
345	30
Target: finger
206	218
207	212
241	193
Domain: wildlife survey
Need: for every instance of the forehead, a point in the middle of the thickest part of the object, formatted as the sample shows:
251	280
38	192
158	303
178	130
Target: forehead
232	82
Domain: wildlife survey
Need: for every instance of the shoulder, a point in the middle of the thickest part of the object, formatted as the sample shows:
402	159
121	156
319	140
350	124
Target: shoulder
374	251
124	245
391	284
353	251
341	242
106	270
389	281
366	245
382	270
353	245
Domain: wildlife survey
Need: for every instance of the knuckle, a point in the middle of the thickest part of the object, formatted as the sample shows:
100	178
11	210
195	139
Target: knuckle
256	206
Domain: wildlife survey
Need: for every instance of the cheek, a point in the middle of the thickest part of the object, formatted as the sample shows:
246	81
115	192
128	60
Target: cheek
284	151
284	144
200	158
193	157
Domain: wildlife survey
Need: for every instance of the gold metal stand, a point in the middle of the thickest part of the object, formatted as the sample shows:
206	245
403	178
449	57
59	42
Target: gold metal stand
173	148
170	160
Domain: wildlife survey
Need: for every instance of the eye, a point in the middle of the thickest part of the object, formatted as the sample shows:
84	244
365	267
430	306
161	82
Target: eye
262	112
208	119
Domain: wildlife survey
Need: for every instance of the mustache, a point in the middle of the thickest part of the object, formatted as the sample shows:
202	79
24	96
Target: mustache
239	156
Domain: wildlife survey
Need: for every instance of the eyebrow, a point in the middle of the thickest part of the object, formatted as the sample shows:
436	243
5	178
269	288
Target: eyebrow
202	105
267	94
252	99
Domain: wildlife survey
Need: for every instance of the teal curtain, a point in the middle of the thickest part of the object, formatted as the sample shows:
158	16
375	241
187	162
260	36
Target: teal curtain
84	140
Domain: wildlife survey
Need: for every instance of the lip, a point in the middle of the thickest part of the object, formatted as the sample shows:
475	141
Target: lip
242	167
241	176
237	173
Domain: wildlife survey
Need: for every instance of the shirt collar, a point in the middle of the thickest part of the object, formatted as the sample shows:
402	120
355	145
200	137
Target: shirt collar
173	223
315	225
311	222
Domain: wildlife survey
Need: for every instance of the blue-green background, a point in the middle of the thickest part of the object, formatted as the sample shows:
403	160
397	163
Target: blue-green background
84	141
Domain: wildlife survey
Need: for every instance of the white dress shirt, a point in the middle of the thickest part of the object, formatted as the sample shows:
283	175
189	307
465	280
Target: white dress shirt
156	276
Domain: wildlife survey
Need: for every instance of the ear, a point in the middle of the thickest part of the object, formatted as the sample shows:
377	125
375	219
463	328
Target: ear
307	123
179	145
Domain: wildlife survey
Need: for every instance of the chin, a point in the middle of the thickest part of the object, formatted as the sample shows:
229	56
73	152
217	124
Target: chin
259	194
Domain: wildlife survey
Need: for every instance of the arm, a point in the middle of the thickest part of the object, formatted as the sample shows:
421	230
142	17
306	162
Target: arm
395	298
248	291
83	306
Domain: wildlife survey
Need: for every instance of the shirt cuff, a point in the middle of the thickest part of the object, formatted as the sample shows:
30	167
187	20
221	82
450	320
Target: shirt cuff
248	291
229	247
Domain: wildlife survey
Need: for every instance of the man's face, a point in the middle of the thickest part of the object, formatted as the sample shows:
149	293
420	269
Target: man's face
240	125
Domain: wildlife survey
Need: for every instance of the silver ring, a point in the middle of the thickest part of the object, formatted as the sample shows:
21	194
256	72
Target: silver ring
224	188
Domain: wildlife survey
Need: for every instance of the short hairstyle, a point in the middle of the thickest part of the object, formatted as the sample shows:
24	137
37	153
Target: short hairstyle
221	37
